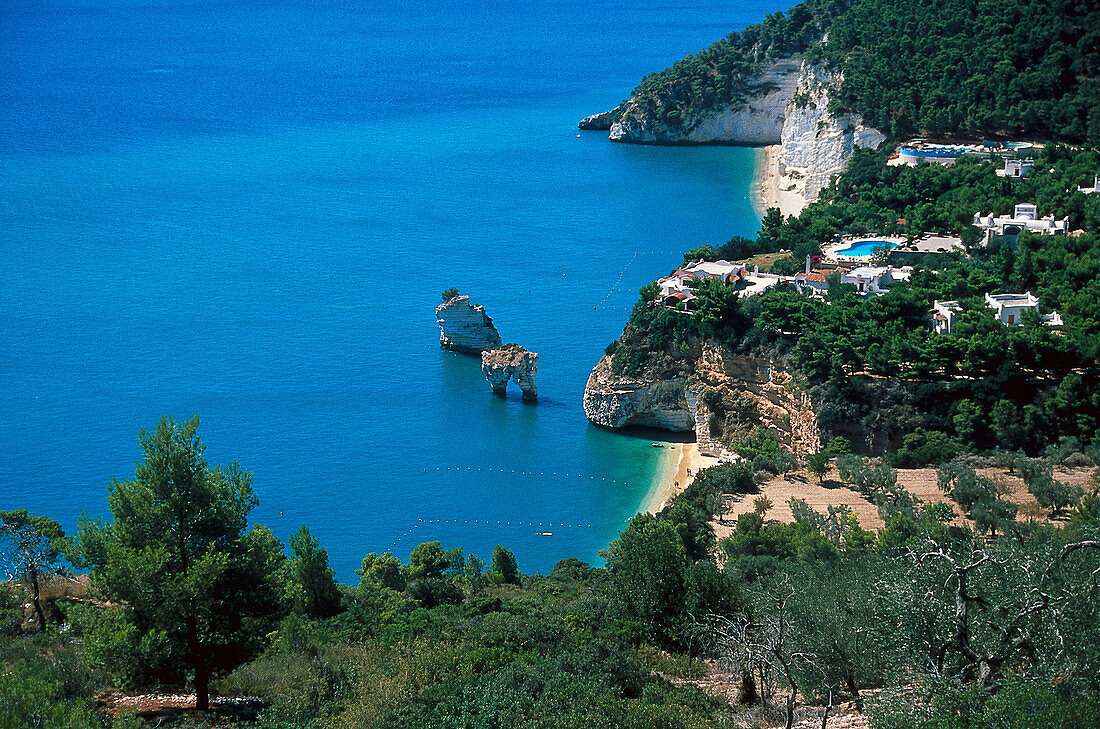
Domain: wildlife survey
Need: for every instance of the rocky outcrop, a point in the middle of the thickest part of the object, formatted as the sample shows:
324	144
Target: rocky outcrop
725	389
598	122
756	120
765	395
788	104
464	327
613	401
511	362
817	144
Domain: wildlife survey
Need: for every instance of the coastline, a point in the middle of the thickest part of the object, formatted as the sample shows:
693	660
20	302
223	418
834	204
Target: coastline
766	184
674	475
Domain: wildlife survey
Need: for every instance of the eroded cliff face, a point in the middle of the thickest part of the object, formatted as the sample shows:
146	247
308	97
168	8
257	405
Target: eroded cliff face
816	143
734	393
756	121
613	401
790	106
511	362
464	327
761	393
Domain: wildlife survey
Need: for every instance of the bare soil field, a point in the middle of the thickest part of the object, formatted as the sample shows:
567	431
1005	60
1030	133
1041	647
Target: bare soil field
921	482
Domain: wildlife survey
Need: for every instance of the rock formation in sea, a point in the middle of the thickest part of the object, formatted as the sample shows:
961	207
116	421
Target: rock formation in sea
787	103
722	400
511	362
464	327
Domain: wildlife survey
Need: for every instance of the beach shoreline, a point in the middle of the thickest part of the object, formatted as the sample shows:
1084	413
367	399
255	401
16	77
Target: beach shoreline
766	185
765	182
675	475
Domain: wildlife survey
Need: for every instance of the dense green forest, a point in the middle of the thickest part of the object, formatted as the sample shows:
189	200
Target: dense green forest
1001	68
877	373
922	624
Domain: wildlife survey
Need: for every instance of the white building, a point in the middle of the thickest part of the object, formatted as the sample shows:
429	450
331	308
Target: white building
1090	190
1017	168
676	289
1024	217
944	314
812	283
875	280
1009	309
723	271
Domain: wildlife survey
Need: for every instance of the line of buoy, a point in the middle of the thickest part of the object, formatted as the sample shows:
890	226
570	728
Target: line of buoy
617	281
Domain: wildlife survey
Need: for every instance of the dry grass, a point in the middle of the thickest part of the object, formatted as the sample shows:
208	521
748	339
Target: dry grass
921	482
765	260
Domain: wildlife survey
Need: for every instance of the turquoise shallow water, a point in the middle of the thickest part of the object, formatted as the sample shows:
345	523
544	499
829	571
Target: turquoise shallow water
248	211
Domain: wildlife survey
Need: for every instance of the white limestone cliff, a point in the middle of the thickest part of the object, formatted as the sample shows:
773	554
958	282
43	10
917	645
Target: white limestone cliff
755	121
613	401
464	327
817	144
766	395
791	109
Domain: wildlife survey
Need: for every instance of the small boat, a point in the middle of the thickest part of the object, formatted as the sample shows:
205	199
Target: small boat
657	445
546	534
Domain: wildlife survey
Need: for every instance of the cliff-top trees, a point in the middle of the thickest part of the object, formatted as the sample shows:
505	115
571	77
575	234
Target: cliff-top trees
193	591
30	546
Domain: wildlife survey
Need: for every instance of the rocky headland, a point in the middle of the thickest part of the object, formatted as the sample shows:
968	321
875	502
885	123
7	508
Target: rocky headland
722	398
465	327
511	362
786	103
757	119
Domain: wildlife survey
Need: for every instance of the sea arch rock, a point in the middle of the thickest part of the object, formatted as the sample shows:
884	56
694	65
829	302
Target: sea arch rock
511	362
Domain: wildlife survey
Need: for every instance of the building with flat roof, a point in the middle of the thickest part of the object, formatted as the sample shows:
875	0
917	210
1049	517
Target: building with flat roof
1009	309
875	280
944	314
1017	168
1025	216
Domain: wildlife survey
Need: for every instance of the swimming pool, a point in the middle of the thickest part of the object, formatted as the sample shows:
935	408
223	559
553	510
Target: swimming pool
864	248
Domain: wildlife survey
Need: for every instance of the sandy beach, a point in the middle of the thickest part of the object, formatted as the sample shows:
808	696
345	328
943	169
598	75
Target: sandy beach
688	462
767	182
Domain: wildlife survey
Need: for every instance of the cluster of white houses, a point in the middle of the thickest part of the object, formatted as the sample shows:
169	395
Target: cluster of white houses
1007	308
676	290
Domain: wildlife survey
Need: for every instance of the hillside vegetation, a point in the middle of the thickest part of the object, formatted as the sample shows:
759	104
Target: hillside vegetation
921	624
998	68
877	373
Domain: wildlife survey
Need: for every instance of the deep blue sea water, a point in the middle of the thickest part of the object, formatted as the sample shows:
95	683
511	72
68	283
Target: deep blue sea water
247	210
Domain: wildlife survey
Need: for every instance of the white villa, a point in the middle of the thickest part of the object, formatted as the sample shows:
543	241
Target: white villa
875	280
1017	168
676	289
943	316
1009	309
811	283
1090	190
1024	217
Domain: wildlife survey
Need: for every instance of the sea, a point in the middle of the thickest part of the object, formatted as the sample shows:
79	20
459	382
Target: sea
247	210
